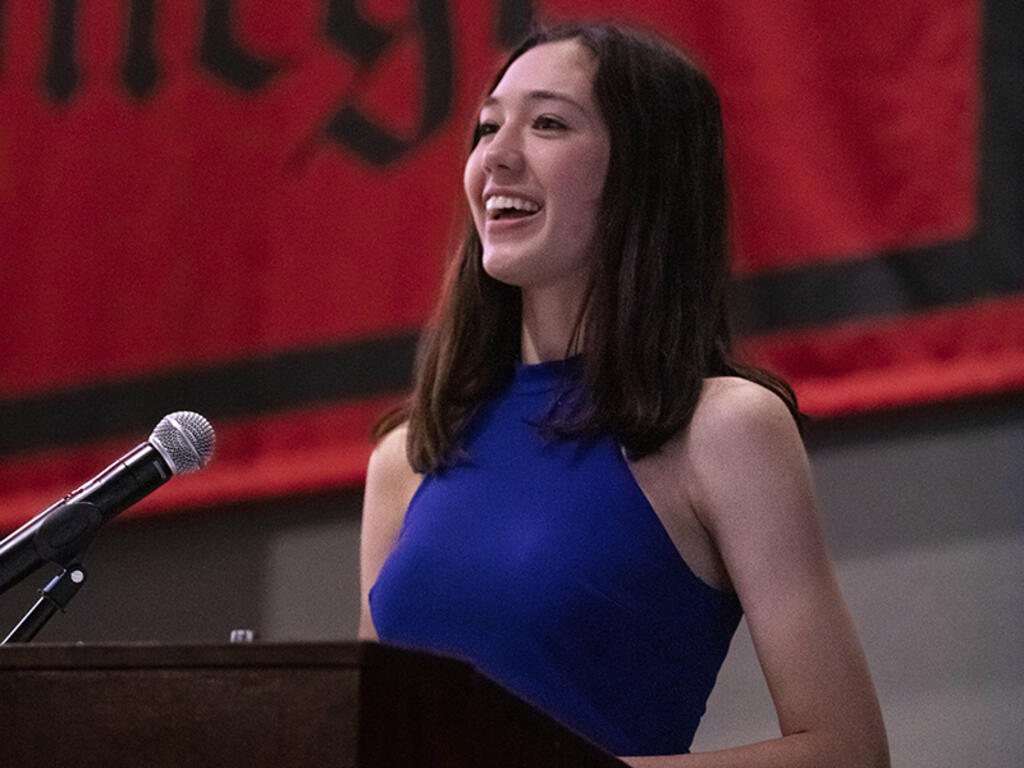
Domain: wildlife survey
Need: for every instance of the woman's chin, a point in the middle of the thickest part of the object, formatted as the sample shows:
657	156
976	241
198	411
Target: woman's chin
506	268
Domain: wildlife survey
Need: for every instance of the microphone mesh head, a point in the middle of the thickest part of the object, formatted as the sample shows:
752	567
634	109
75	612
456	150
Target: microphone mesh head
185	440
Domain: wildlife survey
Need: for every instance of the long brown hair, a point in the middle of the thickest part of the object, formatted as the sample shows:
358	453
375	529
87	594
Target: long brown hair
654	323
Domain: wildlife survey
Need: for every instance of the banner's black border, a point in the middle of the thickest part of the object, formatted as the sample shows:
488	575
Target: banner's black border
988	264
294	379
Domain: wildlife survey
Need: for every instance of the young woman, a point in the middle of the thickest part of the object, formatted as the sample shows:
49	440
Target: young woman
585	491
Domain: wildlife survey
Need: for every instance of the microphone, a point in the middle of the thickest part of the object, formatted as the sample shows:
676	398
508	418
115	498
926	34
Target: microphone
182	442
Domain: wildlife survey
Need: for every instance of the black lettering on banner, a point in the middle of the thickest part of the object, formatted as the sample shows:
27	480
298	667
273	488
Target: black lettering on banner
61	75
346	28
140	71
221	54
351	33
515	20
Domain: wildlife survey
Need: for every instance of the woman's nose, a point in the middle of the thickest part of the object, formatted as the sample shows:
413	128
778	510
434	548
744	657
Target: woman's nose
502	154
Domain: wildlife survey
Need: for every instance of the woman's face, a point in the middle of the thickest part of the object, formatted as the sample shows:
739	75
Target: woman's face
534	179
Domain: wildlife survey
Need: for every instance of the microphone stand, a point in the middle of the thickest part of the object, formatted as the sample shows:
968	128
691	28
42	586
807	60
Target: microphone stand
64	534
56	594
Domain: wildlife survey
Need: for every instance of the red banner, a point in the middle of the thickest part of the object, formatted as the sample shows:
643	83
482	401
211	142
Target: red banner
210	205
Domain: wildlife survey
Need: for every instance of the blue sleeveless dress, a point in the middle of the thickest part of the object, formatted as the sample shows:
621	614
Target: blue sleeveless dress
543	564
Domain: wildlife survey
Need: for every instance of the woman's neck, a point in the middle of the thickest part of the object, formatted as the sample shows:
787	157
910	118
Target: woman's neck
549	319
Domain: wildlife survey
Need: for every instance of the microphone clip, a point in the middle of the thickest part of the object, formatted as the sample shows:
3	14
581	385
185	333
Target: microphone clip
67	531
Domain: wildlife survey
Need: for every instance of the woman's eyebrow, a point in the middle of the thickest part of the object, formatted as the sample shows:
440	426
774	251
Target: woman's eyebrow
540	95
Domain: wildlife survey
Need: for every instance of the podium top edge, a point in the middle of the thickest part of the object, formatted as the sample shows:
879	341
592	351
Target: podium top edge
153	655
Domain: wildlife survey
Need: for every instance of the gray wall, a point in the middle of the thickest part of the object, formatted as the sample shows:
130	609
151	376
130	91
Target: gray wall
924	515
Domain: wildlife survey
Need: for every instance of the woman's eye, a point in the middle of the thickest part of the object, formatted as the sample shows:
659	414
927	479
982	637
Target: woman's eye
486	128
548	124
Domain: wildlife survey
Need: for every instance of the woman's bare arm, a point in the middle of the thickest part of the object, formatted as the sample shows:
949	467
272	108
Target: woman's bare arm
390	485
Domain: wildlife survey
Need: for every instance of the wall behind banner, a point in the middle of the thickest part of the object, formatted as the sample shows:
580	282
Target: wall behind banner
241	208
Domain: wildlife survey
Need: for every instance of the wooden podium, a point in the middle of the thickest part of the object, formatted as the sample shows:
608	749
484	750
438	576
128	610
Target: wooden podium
359	705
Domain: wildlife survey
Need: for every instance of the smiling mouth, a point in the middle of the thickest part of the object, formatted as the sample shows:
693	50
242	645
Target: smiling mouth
504	207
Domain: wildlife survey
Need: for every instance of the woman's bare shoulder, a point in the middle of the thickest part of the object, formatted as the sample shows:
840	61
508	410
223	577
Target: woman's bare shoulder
390	452
389	474
736	418
731	402
730	410
741	432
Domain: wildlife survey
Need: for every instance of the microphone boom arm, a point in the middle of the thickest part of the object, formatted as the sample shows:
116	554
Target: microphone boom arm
61	533
182	442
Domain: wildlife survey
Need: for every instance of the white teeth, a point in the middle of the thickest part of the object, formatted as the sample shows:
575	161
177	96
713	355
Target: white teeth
501	202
